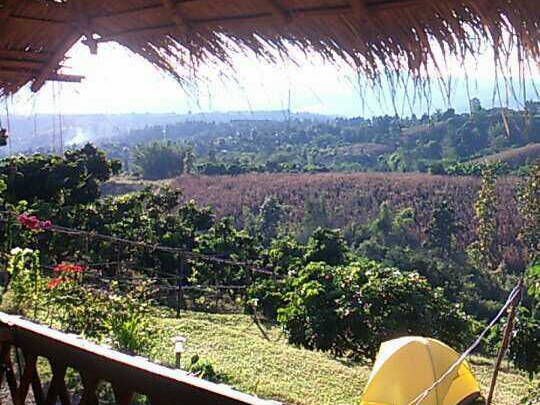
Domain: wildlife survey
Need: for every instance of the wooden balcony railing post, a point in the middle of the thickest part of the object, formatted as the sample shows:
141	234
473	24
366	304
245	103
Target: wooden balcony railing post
90	384
122	395
30	369
57	386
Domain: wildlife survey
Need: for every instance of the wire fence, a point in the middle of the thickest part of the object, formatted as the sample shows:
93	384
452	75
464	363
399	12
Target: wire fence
170	286
187	254
165	283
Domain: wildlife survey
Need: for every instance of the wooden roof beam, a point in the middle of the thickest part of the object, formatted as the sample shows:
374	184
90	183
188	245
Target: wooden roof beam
52	64
360	8
56	77
182	24
19	63
7	11
24	55
363	11
279	11
63	77
298	13
43	21
154	30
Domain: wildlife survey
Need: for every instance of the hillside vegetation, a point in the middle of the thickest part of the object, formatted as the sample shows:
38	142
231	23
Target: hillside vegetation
343	200
406	269
438	143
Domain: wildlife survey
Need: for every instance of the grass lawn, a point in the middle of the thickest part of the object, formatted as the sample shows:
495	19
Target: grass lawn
272	369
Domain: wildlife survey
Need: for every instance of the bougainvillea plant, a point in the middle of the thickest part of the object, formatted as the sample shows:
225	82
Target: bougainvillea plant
34	223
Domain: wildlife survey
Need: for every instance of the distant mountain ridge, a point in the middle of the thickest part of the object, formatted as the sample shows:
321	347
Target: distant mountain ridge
42	131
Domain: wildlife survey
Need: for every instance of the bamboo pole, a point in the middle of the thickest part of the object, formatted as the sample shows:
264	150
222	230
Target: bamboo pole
505	342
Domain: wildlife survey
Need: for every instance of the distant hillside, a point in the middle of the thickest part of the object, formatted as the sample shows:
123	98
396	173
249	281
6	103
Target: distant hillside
42	131
515	157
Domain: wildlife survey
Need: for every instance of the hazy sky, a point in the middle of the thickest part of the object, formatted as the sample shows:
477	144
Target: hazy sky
119	82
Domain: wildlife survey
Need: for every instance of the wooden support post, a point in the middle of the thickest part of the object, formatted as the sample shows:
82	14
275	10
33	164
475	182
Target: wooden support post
90	384
179	348
122	395
505	342
179	282
6	336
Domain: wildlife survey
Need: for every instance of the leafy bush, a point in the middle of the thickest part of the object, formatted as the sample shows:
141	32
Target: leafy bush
68	180
525	345
350	310
204	369
26	285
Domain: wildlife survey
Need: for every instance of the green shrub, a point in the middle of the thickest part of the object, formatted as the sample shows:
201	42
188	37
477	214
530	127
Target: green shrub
326	245
71	179
26	285
160	160
350	310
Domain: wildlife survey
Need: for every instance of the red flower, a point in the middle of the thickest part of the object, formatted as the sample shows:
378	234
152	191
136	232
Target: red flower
68	268
54	283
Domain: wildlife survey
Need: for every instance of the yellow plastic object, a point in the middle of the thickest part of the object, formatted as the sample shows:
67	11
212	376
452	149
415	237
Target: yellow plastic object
405	367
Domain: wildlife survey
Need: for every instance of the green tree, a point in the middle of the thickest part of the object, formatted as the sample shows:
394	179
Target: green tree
160	160
189	160
529	207
267	221
326	245
65	180
315	216
442	228
485	252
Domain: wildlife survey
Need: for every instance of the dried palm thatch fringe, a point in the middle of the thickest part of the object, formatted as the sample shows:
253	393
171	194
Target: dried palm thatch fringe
379	37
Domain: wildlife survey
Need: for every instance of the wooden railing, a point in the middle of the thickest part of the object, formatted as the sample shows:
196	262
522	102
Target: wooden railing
24	343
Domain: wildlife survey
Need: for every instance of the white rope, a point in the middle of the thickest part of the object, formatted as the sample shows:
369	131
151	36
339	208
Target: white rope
513	294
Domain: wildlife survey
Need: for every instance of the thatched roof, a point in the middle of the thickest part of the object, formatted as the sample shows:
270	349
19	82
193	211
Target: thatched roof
374	35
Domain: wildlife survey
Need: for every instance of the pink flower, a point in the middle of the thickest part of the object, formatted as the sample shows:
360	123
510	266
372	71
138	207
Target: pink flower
46	224
33	222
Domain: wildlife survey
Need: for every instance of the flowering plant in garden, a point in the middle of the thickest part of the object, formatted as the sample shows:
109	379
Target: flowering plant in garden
34	223
66	268
102	313
65	272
